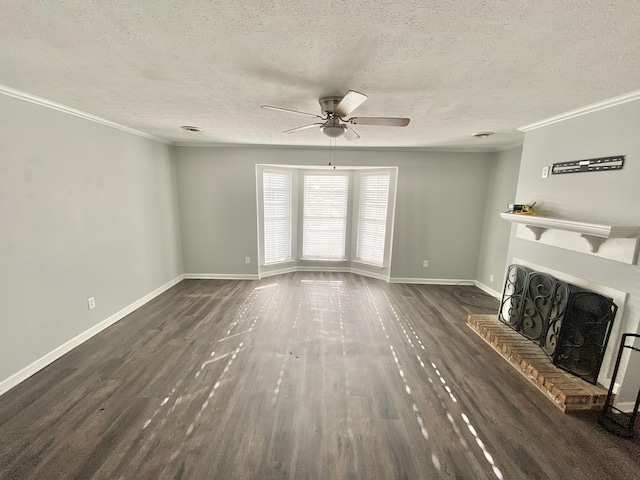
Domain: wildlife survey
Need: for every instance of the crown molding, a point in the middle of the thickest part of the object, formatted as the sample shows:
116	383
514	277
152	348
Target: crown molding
27	97
594	107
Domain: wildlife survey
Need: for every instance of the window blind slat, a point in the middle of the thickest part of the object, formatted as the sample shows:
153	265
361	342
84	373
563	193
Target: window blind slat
372	218
324	217
277	216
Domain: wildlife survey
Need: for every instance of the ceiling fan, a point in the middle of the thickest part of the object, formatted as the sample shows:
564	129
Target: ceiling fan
334	112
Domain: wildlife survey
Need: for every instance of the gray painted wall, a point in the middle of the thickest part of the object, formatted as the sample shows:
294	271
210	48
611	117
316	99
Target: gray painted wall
217	201
596	197
85	210
501	190
439	208
88	210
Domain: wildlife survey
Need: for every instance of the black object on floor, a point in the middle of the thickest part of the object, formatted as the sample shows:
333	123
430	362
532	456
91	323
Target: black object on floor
611	418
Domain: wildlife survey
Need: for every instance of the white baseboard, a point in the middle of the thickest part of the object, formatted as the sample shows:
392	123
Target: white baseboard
280	271
335	269
367	273
294	269
447	281
221	276
431	281
52	356
488	290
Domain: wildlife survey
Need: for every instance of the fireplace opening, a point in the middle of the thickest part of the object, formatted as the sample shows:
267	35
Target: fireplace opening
570	324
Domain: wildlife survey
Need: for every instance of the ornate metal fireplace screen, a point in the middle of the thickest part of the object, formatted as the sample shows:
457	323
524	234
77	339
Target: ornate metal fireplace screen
570	324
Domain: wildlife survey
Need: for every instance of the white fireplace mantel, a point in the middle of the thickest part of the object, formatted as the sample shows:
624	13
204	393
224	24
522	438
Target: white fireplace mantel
616	242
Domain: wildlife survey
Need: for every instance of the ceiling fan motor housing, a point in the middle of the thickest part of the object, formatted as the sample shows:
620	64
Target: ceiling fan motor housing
329	104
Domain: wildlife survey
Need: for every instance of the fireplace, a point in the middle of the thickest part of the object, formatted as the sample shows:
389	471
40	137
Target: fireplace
569	323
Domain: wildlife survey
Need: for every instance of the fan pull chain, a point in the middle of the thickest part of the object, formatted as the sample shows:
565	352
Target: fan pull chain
333	140
332	157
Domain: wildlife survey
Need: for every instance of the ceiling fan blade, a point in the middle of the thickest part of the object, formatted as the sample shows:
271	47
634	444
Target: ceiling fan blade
384	121
304	127
349	103
288	110
350	133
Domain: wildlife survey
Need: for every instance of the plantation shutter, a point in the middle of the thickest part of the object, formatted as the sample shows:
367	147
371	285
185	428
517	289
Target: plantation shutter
277	216
324	217
372	217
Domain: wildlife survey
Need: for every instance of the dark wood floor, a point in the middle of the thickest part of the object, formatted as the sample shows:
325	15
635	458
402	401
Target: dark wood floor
315	376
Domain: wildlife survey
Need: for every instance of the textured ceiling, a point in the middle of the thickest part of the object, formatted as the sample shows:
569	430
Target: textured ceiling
455	68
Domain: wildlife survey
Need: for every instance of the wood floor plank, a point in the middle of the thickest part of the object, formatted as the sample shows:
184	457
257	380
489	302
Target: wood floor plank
306	375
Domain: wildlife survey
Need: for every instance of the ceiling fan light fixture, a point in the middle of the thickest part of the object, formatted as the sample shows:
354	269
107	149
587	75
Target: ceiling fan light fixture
333	131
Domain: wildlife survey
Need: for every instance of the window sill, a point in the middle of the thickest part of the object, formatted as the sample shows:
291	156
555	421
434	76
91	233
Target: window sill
368	264
323	260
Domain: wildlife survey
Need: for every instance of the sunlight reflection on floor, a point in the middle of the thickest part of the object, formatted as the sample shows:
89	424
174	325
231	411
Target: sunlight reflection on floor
405	326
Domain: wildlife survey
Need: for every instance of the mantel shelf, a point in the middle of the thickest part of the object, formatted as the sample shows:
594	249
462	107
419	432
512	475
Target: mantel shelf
595	234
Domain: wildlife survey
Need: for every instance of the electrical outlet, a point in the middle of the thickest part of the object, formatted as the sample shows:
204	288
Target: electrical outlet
92	303
425	263
491	277
247	259
545	172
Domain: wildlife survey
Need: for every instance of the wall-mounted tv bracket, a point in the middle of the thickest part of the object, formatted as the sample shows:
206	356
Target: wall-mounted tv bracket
590	165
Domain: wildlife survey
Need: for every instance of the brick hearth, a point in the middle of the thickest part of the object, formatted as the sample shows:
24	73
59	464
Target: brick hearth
568	392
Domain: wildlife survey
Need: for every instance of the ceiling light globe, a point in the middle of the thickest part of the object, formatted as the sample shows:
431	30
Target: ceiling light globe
333	130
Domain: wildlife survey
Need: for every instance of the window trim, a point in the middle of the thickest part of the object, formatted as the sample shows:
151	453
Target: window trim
349	263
